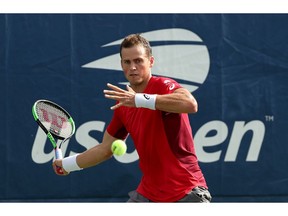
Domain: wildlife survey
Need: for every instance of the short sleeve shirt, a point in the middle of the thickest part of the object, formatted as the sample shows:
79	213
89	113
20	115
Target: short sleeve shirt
164	143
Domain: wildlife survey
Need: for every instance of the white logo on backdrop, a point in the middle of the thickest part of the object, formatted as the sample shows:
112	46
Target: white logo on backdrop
186	59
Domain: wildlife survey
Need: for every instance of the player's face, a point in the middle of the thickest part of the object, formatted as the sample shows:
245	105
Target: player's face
136	65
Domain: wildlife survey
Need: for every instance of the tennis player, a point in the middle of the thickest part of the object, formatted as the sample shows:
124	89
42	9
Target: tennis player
154	111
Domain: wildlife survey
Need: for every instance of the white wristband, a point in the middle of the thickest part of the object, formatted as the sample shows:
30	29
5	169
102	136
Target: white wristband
70	164
145	100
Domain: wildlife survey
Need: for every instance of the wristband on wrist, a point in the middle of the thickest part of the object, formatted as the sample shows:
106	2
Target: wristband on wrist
145	100
70	164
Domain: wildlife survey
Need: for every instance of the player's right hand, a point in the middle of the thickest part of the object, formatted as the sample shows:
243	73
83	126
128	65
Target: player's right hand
56	164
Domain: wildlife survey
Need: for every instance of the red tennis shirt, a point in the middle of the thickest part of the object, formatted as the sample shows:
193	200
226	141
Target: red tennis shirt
164	143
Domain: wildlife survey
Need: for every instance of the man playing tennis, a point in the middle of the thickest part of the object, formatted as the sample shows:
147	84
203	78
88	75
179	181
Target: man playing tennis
154	111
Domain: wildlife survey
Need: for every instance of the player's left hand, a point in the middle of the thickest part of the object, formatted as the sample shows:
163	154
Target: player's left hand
124	97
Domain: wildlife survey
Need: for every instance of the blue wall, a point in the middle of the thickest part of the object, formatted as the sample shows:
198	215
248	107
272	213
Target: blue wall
235	65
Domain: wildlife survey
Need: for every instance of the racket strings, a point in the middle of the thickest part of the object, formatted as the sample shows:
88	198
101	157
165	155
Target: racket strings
54	120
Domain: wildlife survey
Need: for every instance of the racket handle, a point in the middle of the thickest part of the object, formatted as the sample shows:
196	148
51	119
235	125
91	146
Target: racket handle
58	155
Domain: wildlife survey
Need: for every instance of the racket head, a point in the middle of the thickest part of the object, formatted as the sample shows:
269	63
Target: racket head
53	119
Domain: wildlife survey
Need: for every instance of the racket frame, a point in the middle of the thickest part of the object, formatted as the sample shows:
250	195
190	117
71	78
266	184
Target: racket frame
51	136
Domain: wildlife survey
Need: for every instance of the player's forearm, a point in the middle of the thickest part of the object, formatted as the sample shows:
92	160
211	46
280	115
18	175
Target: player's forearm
176	103
93	156
90	157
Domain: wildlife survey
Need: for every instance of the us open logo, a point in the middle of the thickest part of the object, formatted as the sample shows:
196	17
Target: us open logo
185	58
181	55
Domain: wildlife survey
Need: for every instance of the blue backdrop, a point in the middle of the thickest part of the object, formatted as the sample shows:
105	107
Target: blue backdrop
234	64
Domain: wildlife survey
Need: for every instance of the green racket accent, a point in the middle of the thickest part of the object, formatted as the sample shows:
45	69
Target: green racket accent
52	140
34	112
73	124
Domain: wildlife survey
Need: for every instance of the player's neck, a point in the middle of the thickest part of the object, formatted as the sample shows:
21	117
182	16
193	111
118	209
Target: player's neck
140	87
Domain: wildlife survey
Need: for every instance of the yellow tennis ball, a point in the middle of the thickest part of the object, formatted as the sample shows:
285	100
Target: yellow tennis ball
119	147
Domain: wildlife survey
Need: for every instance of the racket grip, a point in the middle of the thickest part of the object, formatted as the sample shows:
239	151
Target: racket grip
58	155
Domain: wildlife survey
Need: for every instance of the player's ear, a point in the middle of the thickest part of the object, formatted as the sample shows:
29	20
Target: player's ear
151	61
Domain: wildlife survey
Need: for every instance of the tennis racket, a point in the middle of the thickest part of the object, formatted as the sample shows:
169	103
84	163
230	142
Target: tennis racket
56	122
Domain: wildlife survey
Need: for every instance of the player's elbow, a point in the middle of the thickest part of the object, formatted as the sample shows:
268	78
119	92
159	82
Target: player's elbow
189	107
193	108
190	103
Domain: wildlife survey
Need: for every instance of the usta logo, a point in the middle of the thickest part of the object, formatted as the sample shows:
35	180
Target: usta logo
185	59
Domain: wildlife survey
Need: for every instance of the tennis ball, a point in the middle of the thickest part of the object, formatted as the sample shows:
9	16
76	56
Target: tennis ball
118	147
